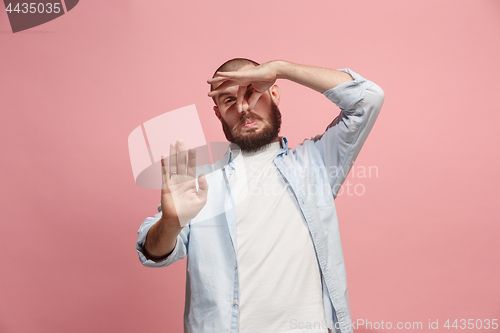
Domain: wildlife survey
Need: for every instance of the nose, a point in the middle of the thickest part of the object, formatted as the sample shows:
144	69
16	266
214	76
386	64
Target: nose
244	106
244	103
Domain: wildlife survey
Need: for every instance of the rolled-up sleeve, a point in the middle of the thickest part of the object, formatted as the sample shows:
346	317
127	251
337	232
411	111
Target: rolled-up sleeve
360	102
180	249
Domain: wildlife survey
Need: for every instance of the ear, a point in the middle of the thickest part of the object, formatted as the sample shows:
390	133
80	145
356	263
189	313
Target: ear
275	91
217	112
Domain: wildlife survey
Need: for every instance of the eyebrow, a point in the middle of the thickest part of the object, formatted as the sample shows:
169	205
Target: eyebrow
221	95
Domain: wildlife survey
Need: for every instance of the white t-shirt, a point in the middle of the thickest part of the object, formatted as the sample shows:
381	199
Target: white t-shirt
279	278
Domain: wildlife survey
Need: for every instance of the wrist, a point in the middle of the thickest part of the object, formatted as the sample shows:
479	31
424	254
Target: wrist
169	224
280	67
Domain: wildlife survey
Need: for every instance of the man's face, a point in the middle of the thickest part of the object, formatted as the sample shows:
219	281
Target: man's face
250	129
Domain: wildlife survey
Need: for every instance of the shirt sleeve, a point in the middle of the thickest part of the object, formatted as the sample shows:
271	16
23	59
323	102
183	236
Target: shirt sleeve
360	101
180	249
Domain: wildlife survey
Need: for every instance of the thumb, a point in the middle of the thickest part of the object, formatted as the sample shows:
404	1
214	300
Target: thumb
202	187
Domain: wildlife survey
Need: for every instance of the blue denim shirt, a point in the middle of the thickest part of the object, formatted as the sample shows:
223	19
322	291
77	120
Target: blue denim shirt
315	171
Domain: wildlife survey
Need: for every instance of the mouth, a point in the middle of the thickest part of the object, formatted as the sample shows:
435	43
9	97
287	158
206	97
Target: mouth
250	123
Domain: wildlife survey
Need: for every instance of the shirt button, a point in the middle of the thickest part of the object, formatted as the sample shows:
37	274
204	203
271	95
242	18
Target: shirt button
235	266
235	302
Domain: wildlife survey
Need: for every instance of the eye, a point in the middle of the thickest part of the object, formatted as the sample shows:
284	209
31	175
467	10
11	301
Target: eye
229	100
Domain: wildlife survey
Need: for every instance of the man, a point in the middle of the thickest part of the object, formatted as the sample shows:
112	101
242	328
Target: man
261	227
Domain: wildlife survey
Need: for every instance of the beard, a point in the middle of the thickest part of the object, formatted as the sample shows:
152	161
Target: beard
252	141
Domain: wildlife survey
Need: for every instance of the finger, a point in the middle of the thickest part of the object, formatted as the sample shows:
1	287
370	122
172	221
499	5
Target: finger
235	74
181	157
202	187
191	171
222	87
164	176
240	97
172	161
252	101
217	79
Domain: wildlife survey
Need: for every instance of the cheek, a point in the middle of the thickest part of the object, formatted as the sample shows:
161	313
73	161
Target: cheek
263	102
263	109
231	120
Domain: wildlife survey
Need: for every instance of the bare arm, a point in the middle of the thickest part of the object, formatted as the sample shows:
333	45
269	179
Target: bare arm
317	78
264	76
161	239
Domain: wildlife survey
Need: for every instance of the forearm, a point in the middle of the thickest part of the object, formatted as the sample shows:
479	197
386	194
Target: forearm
161	240
319	79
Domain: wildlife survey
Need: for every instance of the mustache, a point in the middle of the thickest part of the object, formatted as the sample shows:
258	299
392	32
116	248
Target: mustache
248	116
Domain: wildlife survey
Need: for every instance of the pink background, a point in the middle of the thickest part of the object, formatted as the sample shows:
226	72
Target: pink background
421	243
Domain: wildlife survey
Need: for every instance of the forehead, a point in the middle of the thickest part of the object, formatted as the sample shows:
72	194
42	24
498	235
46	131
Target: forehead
234	89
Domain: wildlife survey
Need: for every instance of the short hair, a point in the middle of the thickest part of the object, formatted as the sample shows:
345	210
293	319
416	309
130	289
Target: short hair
232	66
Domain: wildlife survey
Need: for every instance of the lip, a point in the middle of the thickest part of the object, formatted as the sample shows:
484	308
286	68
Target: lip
250	123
